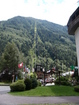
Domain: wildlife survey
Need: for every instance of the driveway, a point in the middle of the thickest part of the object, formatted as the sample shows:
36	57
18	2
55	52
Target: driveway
7	99
4	89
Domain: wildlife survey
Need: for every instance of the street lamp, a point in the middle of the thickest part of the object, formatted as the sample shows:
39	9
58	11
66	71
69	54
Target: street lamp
44	75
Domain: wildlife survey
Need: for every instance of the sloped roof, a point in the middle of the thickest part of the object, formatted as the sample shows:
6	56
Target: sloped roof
73	22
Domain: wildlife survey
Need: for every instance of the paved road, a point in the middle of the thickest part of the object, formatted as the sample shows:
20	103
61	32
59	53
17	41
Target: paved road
4	89
7	99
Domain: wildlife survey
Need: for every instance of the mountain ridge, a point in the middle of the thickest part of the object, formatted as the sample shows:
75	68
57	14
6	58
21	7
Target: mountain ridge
52	40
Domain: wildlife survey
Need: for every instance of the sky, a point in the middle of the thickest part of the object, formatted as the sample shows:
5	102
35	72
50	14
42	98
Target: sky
56	11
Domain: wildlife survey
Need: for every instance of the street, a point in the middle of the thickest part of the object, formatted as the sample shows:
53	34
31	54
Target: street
7	99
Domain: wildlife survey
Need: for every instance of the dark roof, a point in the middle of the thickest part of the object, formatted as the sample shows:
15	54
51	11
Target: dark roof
73	22
73	15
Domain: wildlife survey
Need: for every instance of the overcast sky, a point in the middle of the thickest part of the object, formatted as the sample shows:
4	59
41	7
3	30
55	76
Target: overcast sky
57	11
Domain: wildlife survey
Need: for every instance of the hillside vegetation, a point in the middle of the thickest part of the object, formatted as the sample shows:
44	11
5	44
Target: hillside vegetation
40	41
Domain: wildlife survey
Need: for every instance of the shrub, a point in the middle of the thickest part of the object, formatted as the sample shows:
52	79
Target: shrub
17	86
76	88
33	75
63	78
28	83
63	81
66	83
34	83
39	83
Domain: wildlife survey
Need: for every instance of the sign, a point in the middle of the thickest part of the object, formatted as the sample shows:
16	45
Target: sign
76	67
72	67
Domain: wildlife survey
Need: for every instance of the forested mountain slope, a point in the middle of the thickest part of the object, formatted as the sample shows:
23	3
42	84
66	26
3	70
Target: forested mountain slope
41	41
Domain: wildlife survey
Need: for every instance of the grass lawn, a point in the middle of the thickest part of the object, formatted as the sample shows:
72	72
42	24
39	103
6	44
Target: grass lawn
4	84
49	91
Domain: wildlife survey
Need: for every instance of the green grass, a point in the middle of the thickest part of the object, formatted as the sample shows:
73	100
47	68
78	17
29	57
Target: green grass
4	84
49	91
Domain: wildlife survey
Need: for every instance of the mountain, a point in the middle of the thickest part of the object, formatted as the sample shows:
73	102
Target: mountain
41	41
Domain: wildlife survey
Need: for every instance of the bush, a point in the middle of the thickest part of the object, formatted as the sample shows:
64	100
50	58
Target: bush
33	75
66	83
63	78
28	83
17	86
76	88
39	83
34	83
63	81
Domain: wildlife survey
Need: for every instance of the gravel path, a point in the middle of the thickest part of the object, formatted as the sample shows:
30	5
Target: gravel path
7	99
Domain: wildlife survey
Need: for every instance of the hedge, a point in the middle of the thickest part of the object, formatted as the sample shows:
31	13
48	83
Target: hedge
76	88
17	86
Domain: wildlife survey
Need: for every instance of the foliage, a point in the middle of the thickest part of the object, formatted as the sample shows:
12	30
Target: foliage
49	91
28	83
34	83
20	74
18	86
76	75
39	83
6	77
10	57
76	88
63	81
33	75
49	43
9	62
31	81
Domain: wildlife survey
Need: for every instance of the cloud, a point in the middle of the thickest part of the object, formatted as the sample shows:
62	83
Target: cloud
57	11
